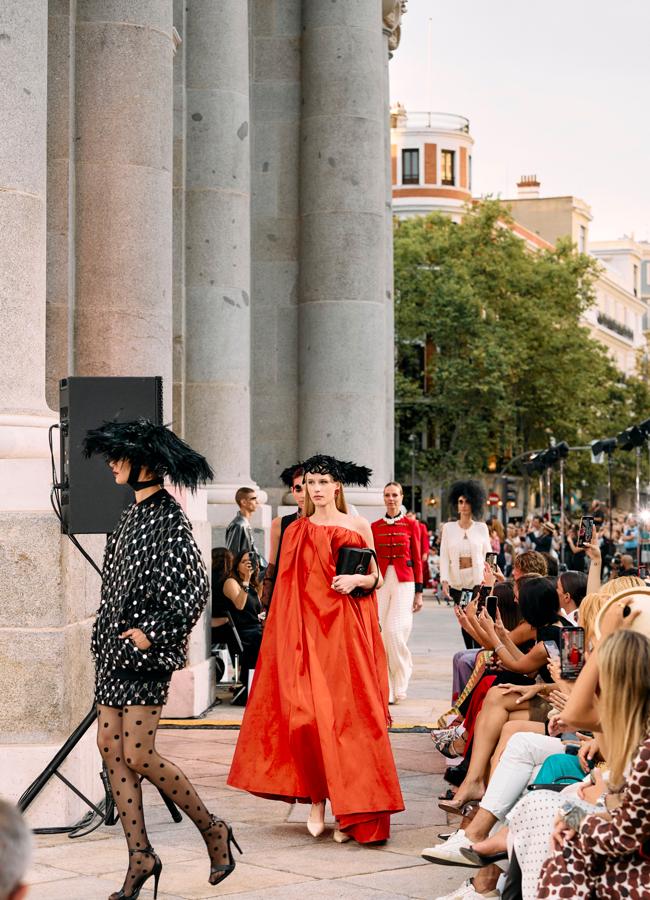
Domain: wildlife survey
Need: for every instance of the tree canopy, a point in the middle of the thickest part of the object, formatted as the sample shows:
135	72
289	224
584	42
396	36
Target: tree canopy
492	356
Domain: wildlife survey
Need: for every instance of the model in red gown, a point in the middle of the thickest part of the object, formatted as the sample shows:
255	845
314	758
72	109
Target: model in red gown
316	722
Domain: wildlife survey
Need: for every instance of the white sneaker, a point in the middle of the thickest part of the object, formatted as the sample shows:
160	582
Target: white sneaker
467	892
448	853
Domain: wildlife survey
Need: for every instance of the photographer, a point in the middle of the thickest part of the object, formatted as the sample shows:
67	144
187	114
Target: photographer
239	595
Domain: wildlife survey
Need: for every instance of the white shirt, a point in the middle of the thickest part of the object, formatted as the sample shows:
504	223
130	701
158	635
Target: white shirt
473	542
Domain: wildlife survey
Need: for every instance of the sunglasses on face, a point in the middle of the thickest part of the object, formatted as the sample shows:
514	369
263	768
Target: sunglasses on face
297	488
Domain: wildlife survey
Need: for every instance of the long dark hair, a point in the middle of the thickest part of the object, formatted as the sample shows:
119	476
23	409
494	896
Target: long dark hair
508	606
254	582
538	601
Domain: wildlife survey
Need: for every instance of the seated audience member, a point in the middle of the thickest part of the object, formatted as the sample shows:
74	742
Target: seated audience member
522	760
602	847
571	589
15	852
235	590
531	820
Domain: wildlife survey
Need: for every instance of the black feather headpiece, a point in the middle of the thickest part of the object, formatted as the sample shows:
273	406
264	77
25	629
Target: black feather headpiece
287	475
153	446
345	472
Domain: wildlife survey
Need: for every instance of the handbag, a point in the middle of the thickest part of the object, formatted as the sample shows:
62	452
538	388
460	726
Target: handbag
356	561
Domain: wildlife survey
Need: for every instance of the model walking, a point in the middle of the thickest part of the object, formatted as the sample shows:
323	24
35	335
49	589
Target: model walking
315	727
154	588
463	545
398	542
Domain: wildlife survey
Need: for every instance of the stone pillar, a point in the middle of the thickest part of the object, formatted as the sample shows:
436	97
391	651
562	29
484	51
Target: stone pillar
46	595
60	194
342	317
275	113
392	11
178	218
123	315
217	249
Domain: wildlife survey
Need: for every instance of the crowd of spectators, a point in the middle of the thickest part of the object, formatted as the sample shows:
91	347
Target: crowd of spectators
620	553
549	772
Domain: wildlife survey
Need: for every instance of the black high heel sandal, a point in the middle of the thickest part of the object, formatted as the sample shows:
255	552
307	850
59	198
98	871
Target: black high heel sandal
220	871
139	880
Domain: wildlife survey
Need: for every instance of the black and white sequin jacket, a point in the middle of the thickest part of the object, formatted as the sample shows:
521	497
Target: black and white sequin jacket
154	579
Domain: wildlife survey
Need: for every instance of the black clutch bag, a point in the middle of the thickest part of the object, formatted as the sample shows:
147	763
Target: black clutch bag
356	561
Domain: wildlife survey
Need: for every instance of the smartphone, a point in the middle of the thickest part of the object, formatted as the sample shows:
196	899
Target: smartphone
572	652
465	597
491	604
491	560
552	650
586	530
643	572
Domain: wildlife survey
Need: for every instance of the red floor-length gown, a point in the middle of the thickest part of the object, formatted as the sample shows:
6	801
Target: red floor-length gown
315	724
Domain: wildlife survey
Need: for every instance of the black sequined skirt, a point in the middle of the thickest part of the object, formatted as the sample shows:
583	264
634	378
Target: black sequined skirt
122	687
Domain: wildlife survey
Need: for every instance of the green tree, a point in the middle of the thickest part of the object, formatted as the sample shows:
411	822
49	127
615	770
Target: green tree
492	357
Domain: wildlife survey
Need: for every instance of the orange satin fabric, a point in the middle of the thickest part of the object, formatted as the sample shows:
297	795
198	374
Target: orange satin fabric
315	724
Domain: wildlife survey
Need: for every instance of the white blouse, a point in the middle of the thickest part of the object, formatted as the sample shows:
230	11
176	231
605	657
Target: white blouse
473	542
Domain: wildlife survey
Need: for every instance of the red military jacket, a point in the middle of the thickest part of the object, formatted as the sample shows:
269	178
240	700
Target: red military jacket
398	544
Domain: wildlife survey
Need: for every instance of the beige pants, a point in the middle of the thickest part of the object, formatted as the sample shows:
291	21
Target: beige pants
396	619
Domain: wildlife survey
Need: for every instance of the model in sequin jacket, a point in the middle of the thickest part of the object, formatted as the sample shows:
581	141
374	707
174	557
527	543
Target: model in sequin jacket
154	579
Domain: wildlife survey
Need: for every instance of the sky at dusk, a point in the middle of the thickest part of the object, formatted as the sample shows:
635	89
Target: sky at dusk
557	89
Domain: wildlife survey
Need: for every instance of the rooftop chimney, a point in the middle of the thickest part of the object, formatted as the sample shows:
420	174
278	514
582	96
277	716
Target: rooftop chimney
528	186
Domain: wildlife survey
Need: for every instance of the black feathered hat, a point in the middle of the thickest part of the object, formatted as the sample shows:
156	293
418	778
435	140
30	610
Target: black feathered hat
287	475
153	446
345	472
472	491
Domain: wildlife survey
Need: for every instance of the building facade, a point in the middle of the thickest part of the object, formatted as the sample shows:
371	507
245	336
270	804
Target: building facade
198	189
431	163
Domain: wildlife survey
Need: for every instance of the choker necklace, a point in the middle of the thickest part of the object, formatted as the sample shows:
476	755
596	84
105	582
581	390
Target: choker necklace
391	520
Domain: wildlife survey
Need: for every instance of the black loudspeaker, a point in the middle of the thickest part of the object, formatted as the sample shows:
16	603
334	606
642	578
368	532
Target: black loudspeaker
91	502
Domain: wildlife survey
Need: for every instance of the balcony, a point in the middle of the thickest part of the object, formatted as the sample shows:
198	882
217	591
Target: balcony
617	327
434	121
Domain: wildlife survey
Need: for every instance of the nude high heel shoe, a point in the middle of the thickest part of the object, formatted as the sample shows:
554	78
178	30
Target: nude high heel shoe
316	820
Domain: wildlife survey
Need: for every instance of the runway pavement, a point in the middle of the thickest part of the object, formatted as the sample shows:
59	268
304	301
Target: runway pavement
281	860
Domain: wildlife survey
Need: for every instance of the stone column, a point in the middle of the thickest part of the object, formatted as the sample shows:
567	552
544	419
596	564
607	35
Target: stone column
123	315
217	250
275	113
178	217
60	195
343	234
392	11
46	595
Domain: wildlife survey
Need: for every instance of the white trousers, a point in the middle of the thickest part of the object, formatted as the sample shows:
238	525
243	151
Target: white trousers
396	619
521	761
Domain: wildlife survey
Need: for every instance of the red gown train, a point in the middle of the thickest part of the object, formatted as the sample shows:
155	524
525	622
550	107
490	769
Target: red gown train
316	721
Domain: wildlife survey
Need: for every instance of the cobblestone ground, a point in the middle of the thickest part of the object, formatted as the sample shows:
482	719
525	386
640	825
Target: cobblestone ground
281	860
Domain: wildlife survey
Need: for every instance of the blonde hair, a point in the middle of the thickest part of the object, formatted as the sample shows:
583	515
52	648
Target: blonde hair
498	527
587	612
310	509
624	673
621	584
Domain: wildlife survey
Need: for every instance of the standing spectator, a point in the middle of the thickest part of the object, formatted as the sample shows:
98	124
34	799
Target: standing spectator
575	557
15	852
398	542
239	533
597	511
423	532
293	477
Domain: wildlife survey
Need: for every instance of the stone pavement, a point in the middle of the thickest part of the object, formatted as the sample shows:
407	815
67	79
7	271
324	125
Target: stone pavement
281	860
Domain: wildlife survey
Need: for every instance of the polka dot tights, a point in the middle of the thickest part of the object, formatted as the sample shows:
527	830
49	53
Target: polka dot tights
126	741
